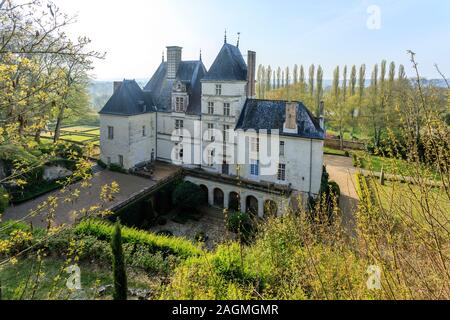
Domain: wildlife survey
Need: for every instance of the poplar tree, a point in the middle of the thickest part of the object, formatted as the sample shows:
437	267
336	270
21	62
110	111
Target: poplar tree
302	82
353	81
319	89
269	78
295	74
312	69
278	78
344	85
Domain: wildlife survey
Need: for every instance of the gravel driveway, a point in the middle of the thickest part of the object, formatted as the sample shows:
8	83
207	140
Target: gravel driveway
342	171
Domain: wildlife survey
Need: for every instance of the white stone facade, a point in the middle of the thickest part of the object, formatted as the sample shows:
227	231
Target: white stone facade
133	139
299	160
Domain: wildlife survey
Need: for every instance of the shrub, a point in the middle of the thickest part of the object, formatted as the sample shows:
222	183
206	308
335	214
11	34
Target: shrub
347	154
241	223
165	233
166	245
187	195
4	199
65	150
117	168
161	221
201	236
102	164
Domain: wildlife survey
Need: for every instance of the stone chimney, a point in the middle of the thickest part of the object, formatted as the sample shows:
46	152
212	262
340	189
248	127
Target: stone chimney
322	115
290	124
173	61
251	67
116	85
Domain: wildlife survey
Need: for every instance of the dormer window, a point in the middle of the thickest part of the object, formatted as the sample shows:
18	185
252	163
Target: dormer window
179	104
218	89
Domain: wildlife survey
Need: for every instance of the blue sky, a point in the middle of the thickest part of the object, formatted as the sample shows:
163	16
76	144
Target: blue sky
283	33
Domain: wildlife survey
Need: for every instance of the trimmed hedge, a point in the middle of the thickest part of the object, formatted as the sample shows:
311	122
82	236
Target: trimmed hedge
167	245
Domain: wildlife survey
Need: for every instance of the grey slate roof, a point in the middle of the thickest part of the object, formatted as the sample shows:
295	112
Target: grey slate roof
228	66
160	88
271	114
128	100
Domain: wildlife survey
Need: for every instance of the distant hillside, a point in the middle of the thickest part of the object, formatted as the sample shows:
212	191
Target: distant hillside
101	91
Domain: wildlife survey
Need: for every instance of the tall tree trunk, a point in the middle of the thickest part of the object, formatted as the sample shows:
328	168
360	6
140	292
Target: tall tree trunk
59	123
37	135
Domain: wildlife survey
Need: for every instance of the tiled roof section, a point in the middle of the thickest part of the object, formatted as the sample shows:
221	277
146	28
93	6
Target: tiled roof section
129	99
271	115
228	66
160	88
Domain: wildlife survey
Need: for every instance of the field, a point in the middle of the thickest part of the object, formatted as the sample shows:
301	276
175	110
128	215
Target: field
76	134
408	200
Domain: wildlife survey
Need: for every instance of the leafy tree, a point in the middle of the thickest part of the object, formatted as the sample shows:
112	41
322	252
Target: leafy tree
118	265
187	195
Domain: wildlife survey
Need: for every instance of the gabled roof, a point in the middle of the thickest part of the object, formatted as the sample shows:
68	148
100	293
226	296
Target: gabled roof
228	66
129	100
271	114
160	88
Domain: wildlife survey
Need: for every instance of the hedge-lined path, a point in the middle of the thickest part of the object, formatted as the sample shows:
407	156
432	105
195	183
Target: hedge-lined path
130	186
341	171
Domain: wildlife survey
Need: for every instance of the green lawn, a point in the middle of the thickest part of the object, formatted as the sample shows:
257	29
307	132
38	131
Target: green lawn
406	201
79	128
75	138
332	151
393	166
14	279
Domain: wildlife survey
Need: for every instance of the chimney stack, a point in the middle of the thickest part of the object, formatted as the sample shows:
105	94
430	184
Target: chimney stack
116	85
290	123
251	67
173	61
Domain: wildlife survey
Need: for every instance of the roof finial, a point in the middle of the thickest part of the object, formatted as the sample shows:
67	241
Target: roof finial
239	37
200	54
225	38
163	56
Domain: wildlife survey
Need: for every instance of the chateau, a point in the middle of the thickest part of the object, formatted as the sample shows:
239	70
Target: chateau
209	122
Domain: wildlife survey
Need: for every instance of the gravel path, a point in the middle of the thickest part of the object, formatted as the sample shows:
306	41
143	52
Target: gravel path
90	196
342	171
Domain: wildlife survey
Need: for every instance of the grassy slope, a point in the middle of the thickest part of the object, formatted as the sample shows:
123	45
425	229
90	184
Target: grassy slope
14	278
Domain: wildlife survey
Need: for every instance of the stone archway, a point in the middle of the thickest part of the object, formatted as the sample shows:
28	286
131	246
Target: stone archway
205	193
252	206
218	198
270	208
234	201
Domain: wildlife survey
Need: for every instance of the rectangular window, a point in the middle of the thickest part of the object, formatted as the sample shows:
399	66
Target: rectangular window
121	160
226	109
226	130
254	144
281	148
144	131
179	104
282	172
254	167
218	89
110	133
211	131
210	107
179	124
